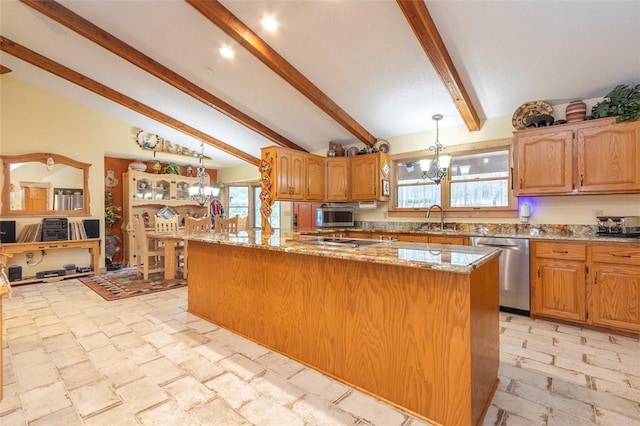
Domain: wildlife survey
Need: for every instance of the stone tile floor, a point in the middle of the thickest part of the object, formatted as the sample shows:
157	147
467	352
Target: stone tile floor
71	358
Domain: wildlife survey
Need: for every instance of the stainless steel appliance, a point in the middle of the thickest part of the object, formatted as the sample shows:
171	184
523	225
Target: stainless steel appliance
621	226
334	217
514	271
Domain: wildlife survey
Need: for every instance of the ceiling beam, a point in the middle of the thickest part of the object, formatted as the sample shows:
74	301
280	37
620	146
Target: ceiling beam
425	30
214	11
76	23
61	71
4	70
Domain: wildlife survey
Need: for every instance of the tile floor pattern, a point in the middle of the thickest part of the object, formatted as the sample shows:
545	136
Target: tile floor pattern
72	358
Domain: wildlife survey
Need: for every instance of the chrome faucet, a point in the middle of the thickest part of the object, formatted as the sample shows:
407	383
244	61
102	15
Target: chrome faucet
441	215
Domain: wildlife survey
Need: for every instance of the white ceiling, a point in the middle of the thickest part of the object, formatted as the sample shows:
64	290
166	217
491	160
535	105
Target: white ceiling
362	54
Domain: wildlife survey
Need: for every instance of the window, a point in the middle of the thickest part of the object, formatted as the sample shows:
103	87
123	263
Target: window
477	180
242	204
238	201
257	217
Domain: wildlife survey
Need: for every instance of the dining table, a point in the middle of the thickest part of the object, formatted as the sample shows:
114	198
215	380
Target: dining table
170	240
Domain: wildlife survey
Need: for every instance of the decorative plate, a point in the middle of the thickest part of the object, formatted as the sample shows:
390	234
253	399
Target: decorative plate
382	146
352	152
530	109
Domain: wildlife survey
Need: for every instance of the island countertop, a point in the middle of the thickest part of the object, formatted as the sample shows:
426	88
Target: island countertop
444	257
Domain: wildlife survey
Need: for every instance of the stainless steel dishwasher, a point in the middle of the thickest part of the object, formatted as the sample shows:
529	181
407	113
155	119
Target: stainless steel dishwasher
514	271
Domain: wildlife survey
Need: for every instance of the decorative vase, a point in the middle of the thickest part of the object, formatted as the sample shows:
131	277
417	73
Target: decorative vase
138	166
576	111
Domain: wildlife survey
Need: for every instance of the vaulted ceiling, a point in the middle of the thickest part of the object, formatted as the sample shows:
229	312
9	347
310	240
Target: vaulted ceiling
340	71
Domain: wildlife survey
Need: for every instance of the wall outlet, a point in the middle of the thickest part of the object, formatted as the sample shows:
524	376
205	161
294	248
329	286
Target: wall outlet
29	258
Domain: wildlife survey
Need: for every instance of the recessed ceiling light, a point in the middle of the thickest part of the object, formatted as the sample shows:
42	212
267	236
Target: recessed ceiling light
269	23
227	52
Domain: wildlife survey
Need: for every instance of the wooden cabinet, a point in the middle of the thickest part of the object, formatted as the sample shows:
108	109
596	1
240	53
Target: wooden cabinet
587	283
315	180
295	175
544	163
558	280
609	158
367	173
449	239
615	287
146	193
337	179
589	157
305	214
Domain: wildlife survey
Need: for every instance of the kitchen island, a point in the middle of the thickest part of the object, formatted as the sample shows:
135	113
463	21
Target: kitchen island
414	324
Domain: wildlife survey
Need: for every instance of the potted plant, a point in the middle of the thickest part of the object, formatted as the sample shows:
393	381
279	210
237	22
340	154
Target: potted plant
623	101
112	242
172	169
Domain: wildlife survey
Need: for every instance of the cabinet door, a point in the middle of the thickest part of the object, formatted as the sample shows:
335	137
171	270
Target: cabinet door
543	162
609	158
289	176
337	178
615	296
558	289
364	178
315	178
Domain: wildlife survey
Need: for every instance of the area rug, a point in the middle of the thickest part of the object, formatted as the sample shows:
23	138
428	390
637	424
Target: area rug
125	283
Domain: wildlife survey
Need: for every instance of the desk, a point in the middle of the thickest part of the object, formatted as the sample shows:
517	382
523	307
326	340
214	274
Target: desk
92	244
170	240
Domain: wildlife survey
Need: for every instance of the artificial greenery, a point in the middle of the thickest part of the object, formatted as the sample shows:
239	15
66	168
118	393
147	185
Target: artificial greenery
111	212
623	102
171	169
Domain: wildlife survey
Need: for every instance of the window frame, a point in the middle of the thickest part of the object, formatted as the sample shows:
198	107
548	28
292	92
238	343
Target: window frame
511	210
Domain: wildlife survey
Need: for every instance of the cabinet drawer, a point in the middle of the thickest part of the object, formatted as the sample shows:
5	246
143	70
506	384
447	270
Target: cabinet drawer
561	250
627	255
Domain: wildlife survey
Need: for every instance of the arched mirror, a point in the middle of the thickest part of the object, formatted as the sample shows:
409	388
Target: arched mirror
43	184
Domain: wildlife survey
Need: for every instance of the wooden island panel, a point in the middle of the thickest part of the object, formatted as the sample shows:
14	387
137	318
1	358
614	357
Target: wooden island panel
421	339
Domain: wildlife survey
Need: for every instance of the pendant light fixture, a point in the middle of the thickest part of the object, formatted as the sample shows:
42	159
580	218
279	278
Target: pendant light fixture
437	168
200	191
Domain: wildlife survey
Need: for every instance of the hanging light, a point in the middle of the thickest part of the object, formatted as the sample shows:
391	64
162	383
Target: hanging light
50	163
200	191
437	168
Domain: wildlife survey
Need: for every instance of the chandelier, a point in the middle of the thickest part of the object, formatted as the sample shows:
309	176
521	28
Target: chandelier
437	168
200	192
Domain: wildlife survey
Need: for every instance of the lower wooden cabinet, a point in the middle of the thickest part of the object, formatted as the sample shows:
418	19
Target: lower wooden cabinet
587	283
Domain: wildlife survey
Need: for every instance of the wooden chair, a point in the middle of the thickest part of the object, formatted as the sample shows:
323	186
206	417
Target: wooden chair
226	225
167	225
149	259
172	226
200	225
194	226
243	222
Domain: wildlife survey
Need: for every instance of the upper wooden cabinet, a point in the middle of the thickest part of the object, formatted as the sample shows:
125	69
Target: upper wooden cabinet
296	175
314	178
337	179
590	157
609	158
367	173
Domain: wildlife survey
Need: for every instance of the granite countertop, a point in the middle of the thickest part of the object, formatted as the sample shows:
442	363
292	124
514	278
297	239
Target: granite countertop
541	232
444	257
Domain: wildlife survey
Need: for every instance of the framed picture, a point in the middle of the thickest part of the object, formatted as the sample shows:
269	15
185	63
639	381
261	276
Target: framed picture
386	191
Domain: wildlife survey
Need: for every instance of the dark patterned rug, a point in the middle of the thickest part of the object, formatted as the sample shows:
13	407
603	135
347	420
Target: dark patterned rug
125	283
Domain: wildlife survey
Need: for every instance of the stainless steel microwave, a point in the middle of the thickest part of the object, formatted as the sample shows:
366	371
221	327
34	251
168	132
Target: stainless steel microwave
334	217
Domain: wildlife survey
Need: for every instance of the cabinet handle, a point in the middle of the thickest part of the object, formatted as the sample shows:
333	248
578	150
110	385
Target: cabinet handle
581	180
561	251
595	278
512	178
520	183
538	272
620	255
